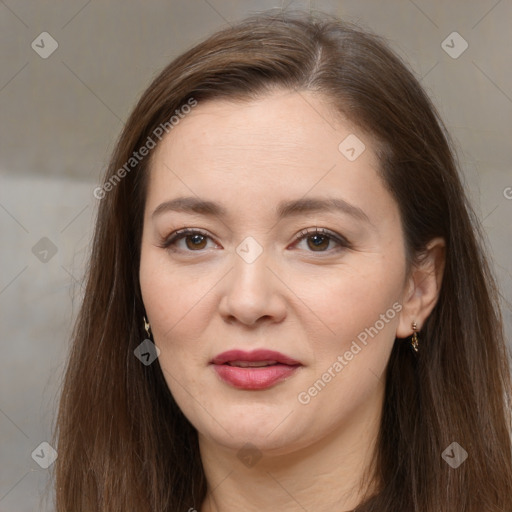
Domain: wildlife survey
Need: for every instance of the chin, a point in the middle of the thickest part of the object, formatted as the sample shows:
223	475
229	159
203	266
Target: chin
273	431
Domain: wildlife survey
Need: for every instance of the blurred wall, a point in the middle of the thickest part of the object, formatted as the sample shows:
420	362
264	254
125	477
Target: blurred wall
61	113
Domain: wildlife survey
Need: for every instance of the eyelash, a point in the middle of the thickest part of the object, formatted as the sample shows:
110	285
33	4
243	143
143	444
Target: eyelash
171	240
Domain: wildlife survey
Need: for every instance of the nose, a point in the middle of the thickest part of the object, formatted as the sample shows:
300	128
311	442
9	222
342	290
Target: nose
253	293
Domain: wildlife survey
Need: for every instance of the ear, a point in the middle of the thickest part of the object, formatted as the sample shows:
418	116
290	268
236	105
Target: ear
422	288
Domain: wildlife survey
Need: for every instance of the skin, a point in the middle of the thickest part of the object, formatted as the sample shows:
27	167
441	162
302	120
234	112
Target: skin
306	302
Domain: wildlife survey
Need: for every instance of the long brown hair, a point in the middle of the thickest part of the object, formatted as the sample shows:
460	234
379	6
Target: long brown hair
124	444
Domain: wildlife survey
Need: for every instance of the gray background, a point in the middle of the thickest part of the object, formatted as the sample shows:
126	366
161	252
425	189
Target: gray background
60	117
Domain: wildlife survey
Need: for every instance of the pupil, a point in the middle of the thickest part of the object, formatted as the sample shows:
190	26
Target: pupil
196	240
319	240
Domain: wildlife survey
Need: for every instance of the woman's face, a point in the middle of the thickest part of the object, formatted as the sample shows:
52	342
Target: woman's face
328	301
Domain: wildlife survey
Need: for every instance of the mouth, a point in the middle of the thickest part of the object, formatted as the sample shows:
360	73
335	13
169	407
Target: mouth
252	364
256	370
260	357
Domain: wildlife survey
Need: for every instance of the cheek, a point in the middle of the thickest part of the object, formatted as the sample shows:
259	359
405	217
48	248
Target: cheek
352	302
337	304
174	298
351	346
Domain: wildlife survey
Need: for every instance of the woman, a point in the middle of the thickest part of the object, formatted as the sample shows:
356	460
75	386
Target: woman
288	306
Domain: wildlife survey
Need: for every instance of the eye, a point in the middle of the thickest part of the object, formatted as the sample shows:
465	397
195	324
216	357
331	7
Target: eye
194	236
321	238
196	240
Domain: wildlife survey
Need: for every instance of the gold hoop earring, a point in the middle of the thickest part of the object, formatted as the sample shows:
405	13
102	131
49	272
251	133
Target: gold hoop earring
414	340
147	327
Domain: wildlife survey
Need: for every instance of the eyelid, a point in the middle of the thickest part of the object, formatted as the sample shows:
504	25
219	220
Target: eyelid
175	236
339	239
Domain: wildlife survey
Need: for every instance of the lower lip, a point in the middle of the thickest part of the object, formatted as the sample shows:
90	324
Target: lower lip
254	378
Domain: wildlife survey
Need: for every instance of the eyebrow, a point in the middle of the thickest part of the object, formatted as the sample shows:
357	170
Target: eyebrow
285	209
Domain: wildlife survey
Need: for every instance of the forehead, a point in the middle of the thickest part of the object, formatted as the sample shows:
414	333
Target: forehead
286	144
284	124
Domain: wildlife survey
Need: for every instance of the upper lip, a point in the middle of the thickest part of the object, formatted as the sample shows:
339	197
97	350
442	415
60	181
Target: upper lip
254	355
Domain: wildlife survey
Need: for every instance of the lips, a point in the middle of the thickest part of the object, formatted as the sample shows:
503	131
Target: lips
269	357
256	370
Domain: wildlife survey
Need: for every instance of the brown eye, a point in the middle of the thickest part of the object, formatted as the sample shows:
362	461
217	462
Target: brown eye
319	239
195	240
